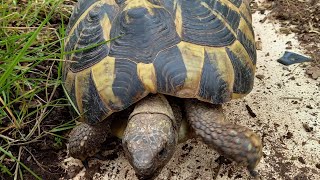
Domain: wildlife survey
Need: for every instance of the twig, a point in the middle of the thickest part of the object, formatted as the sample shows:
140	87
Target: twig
291	98
294	70
312	29
18	164
6	128
6	137
35	160
40	118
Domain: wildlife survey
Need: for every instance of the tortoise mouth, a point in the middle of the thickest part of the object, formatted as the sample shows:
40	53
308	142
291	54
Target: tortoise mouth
146	174
143	168
142	177
144	164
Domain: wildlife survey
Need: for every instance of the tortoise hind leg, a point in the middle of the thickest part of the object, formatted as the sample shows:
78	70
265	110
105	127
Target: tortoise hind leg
232	141
85	140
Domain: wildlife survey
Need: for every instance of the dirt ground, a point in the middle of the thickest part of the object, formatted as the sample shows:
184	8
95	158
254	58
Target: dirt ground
283	108
301	17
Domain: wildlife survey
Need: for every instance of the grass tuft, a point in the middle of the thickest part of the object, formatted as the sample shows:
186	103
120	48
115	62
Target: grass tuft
33	110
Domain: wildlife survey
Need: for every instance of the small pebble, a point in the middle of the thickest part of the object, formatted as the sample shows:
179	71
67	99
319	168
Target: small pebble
307	127
300	159
260	76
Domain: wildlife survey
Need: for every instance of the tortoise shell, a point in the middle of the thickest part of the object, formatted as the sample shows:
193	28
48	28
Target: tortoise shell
200	49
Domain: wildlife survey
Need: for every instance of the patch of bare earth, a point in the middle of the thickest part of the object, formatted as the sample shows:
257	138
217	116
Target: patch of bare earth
301	17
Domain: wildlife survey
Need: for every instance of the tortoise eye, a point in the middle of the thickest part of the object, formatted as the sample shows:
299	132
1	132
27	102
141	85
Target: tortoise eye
163	152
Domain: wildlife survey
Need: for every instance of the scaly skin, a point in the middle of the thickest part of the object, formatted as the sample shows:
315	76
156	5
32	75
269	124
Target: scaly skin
151	135
85	140
232	141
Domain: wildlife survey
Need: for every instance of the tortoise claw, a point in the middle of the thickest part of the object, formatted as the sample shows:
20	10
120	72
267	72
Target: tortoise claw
253	173
235	142
85	163
98	156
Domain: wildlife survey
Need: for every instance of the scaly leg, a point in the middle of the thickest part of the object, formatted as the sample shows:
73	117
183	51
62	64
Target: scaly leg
232	141
85	140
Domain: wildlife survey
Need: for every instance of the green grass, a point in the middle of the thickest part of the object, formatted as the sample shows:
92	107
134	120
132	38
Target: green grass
31	56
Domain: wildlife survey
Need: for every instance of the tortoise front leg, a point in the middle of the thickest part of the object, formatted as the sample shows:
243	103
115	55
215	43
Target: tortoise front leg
232	141
85	140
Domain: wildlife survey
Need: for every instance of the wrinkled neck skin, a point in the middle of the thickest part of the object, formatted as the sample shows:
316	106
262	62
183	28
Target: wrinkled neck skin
149	142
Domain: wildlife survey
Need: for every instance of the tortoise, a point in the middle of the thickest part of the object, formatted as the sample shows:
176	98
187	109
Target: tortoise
165	59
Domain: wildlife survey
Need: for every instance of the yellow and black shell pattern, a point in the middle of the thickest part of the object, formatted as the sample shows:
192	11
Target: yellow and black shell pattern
200	49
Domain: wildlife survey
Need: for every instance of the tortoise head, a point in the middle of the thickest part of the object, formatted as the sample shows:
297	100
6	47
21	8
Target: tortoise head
149	142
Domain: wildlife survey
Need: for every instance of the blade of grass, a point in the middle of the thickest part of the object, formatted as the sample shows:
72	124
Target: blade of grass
5	170
15	61
20	75
20	163
91	46
70	100
8	110
65	126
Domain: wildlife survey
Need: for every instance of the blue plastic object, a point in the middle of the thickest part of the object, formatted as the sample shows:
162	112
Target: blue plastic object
291	58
